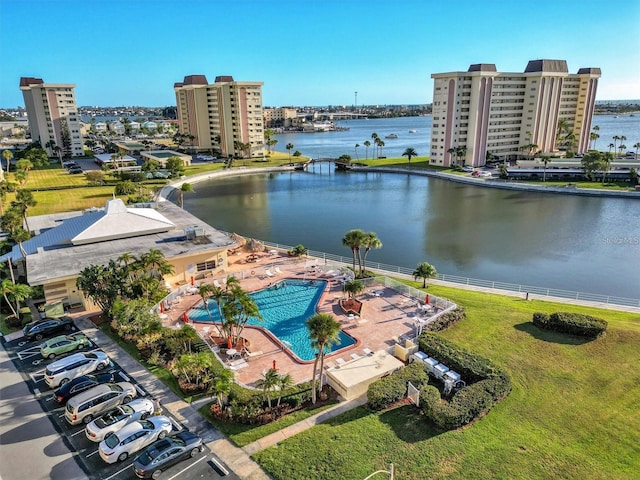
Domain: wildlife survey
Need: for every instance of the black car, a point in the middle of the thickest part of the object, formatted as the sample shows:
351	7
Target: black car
80	384
164	453
46	327
75	170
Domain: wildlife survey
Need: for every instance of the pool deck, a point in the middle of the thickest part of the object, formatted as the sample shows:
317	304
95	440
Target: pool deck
386	316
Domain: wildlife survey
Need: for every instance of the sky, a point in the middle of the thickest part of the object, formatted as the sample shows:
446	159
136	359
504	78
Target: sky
307	52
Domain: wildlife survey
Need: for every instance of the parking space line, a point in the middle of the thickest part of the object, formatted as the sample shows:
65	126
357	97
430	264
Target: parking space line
119	472
124	377
176	425
141	392
219	465
204	457
79	431
92	454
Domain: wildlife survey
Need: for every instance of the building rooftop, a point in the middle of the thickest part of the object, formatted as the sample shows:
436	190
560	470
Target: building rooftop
67	244
558	66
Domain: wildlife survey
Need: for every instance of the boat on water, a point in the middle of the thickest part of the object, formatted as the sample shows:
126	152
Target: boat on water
391	135
413	131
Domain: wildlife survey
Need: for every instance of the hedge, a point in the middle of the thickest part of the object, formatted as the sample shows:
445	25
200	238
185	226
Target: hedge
486	384
447	320
571	323
388	390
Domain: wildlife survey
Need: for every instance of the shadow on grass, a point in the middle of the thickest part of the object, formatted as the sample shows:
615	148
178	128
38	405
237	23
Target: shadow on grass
550	336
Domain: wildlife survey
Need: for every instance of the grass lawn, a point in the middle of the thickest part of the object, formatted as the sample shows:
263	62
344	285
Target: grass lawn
584	184
574	411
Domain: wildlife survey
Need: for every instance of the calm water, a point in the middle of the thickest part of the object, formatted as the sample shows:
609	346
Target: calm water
558	241
285	310
334	144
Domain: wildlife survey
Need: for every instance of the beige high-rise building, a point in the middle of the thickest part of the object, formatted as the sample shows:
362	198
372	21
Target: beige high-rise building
280	117
222	115
487	114
53	116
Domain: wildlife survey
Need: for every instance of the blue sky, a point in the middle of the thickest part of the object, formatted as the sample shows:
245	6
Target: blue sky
307	52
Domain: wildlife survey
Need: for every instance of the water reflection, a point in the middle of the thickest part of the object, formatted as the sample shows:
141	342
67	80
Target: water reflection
566	242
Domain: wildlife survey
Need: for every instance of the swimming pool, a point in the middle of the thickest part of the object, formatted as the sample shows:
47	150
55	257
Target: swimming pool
285	310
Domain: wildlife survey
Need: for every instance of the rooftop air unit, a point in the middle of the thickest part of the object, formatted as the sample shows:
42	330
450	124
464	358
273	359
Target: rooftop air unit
419	357
430	364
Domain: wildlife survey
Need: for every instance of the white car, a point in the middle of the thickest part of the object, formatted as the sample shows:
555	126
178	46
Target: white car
486	174
467	168
118	417
68	368
133	437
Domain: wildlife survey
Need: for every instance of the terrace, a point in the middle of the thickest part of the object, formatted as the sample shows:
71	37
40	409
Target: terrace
391	314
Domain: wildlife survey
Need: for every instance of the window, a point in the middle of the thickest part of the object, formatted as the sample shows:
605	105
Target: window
209	265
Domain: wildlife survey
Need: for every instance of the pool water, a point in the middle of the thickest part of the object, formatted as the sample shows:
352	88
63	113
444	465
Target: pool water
285	307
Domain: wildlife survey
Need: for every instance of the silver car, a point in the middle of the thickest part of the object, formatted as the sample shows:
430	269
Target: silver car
68	368
118	417
133	437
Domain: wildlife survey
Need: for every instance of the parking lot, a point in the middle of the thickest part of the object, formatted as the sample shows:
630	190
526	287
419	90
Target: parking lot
29	363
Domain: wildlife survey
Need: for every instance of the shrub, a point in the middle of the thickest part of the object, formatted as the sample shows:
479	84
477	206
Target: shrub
429	399
540	320
390	389
575	324
447	320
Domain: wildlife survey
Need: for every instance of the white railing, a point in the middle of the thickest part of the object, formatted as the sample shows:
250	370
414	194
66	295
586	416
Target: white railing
511	287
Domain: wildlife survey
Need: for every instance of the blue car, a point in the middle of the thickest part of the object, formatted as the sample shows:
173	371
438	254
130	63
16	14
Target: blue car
80	384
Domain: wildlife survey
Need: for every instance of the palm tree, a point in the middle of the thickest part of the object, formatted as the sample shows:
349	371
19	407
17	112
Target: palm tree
621	146
611	146
353	288
367	144
424	270
369	241
221	384
324	331
451	152
607	158
593	136
636	146
289	147
185	187
409	153
284	382
18	291
461	152
546	159
24	200
380	147
8	156
269	381
615	143
356	150
354	239
562	130
375	138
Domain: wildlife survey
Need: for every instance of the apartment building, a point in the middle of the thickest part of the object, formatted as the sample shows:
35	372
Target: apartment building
53	116
280	117
221	116
483	114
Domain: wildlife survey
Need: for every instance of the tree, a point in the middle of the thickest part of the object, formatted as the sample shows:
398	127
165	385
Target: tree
220	384
451	152
324	331
593	137
94	177
461	152
356	150
284	382
8	156
289	147
424	270
354	240
17	291
607	158
185	187
270	381
369	242
24	200
621	146
175	165
546	160
367	144
65	135
353	288
636	146
375	138
593	162
409	153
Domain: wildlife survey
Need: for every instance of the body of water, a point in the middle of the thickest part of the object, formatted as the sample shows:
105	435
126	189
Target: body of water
585	244
334	144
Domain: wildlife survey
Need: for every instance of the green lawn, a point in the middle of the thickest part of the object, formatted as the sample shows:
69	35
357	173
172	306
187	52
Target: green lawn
574	411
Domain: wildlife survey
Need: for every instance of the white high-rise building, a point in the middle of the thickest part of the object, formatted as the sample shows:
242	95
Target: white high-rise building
53	116
484	114
221	116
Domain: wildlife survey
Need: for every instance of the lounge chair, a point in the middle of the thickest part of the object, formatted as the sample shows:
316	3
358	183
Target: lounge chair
238	364
367	351
340	361
216	283
277	270
355	356
268	273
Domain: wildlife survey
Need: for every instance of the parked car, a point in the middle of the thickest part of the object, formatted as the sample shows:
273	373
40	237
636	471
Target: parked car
82	383
84	407
134	437
167	452
116	418
486	174
63	344
75	170
46	327
467	168
68	368
71	164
